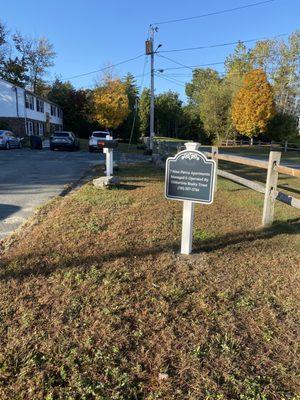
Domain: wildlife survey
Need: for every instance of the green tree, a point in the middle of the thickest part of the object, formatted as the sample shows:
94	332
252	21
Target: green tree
168	114
77	106
215	110
210	97
282	127
202	77
144	113
132	91
13	70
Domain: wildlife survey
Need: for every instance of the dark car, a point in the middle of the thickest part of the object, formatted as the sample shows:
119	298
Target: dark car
8	140
64	141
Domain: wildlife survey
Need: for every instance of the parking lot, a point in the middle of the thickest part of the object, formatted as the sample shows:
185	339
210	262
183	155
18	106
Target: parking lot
28	178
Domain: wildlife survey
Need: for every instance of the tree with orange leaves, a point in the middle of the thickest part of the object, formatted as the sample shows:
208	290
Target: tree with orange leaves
253	104
111	103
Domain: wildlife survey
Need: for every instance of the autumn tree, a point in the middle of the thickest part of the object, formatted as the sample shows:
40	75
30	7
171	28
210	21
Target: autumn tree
111	103
253	104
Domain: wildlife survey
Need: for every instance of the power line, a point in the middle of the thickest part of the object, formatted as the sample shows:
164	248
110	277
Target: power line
195	66
220	44
103	69
192	67
176	62
214	13
170	80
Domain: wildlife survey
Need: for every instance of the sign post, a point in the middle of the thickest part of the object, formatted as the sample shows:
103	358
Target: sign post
190	177
109	145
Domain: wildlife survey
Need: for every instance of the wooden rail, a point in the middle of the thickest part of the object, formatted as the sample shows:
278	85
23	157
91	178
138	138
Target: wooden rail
253	162
270	191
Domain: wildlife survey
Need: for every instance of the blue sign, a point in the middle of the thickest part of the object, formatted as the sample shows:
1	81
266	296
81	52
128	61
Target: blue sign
190	176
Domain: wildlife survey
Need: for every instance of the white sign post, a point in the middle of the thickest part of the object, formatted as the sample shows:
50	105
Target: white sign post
188	216
109	158
190	177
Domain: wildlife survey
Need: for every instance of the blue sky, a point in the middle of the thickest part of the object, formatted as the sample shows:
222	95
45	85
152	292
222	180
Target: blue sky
90	34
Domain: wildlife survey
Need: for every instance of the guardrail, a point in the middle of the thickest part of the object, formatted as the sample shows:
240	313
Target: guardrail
270	191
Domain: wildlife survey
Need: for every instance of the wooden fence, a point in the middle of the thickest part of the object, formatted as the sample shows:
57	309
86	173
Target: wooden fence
285	146
269	190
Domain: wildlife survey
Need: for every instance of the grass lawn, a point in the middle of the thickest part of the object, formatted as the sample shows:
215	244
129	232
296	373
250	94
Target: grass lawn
96	302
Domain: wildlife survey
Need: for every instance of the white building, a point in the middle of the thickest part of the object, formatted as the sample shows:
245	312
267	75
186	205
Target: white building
25	113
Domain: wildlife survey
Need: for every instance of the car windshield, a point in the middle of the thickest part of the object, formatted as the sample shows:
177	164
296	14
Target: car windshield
100	134
61	134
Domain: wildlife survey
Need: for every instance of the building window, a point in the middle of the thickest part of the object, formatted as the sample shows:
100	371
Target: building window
29	128
39	105
41	128
53	110
29	101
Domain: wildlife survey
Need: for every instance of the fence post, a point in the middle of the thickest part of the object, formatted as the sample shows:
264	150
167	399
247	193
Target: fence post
286	146
214	156
271	186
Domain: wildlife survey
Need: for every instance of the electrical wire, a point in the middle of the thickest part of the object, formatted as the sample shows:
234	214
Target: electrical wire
214	13
220	44
170	80
103	69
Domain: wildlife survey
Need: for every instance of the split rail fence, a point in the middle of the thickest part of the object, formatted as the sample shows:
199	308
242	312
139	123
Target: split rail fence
285	146
269	190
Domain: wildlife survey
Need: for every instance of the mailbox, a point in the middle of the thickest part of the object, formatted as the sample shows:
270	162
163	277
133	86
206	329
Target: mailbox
110	144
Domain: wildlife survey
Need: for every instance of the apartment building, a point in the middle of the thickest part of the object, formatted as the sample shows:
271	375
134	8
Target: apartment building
25	113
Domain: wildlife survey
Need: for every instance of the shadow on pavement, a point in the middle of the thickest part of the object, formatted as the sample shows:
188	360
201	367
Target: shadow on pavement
7	209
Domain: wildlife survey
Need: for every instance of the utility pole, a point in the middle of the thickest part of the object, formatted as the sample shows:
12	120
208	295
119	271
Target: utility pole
152	31
150	51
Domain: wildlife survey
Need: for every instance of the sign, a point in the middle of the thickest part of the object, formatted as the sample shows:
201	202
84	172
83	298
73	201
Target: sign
190	176
148	45
111	144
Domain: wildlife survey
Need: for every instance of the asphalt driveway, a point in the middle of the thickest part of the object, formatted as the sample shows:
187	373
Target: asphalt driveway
28	178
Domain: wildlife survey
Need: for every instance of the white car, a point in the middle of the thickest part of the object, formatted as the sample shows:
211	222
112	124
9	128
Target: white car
97	139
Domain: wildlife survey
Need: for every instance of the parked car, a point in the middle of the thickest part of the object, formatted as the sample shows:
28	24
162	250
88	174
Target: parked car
64	141
9	140
97	140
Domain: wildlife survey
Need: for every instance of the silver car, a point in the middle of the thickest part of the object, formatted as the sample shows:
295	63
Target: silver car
8	140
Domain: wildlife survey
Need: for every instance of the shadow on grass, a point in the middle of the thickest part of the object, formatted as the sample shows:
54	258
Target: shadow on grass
124	186
20	272
290	227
